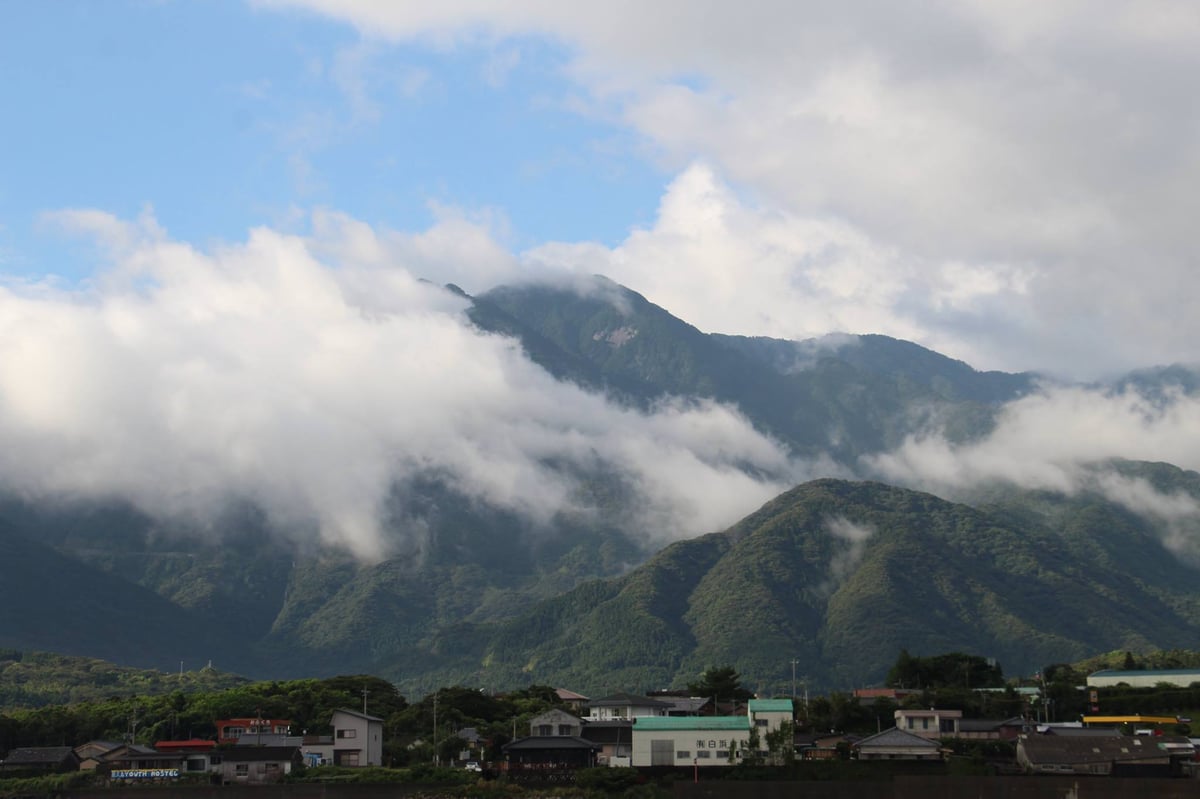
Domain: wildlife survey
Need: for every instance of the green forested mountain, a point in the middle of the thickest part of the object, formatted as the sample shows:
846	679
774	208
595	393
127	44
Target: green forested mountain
842	396
54	600
838	575
842	575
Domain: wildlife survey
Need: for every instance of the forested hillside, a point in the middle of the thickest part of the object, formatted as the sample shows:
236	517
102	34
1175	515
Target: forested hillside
835	574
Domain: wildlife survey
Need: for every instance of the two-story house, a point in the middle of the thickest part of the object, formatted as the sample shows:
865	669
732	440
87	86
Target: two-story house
932	723
555	722
625	706
357	738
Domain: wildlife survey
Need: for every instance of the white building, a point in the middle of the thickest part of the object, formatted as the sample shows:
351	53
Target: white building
1148	678
625	706
706	740
930	723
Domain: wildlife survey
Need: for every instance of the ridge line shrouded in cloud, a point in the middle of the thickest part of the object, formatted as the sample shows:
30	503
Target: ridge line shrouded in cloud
183	379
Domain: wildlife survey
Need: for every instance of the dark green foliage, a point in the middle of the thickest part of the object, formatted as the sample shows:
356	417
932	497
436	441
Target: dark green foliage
46	785
941	671
608	781
722	683
1026	588
422	774
35	679
309	704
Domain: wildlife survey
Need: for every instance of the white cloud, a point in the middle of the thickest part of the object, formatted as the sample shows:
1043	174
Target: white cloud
852	539
1047	150
307	375
730	267
1064	439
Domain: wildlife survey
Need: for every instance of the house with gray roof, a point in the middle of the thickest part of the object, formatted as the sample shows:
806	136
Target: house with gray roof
897	744
257	765
1071	754
552	751
44	759
625	706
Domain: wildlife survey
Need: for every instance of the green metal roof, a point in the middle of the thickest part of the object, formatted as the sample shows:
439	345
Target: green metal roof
770	705
691	723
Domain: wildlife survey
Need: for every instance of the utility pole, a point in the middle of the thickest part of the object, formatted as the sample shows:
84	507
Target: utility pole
435	747
364	700
794	662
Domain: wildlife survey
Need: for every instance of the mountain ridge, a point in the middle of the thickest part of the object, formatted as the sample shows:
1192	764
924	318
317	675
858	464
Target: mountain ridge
479	595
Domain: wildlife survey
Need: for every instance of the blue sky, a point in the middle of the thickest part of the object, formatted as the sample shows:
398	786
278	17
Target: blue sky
988	181
221	117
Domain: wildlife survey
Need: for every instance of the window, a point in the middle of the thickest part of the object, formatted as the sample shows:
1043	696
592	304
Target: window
234	732
722	754
761	722
347	733
242	769
683	754
925	723
195	765
910	722
704	754
545	729
947	725
564	729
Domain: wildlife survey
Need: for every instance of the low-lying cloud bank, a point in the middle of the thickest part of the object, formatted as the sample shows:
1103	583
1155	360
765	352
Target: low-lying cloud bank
1065	439
308	376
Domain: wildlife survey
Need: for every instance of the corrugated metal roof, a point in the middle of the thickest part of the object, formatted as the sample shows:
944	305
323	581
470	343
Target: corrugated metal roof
692	723
770	706
1144	673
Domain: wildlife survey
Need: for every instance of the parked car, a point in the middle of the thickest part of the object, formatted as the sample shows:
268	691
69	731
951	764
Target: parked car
472	765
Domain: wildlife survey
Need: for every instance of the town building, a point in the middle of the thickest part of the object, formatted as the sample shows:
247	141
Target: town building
625	706
897	744
40	759
707	740
1147	678
615	739
1122	755
357	738
932	723
555	722
576	702
231	731
257	765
